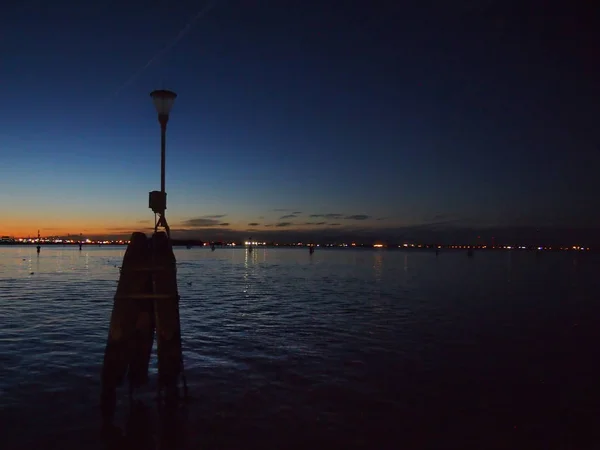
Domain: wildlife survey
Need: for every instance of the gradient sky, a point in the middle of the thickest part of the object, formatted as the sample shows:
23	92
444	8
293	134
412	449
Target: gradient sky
371	117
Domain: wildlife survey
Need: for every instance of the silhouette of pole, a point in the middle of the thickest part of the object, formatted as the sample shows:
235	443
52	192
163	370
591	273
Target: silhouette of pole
164	281
163	101
163	138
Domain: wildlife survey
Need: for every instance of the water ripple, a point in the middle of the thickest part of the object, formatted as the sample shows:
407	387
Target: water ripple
284	337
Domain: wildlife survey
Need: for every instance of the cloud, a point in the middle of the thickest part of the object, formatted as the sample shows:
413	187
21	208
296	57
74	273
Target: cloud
268	225
215	216
446	221
253	224
283	224
315	223
281	209
357	217
288	216
224	224
297	212
440	217
334	224
200	222
328	216
204	234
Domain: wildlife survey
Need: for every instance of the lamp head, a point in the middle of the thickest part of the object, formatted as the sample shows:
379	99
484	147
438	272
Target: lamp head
163	101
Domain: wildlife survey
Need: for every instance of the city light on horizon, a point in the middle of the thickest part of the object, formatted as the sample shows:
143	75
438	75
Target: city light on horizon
404	246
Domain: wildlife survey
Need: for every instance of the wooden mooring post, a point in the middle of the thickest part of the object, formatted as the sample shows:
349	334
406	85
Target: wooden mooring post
146	300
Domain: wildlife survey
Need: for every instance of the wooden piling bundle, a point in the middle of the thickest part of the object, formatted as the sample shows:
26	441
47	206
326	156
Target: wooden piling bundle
146	300
168	336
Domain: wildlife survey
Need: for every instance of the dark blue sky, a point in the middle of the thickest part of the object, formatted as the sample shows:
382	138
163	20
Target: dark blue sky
426	115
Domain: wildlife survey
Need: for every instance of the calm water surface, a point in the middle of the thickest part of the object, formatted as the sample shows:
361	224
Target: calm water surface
341	349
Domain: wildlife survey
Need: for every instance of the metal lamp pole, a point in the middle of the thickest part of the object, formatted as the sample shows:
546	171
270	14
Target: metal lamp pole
167	312
163	101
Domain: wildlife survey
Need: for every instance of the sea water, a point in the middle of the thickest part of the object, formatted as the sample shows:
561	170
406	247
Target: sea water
344	348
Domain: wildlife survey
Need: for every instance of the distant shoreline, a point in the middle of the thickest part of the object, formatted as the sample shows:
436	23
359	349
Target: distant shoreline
175	242
394	247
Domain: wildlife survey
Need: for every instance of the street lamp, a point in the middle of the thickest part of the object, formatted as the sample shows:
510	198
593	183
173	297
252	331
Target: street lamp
163	101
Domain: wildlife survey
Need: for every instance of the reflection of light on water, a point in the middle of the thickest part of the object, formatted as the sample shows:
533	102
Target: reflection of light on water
248	258
251	267
378	267
59	259
377	291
